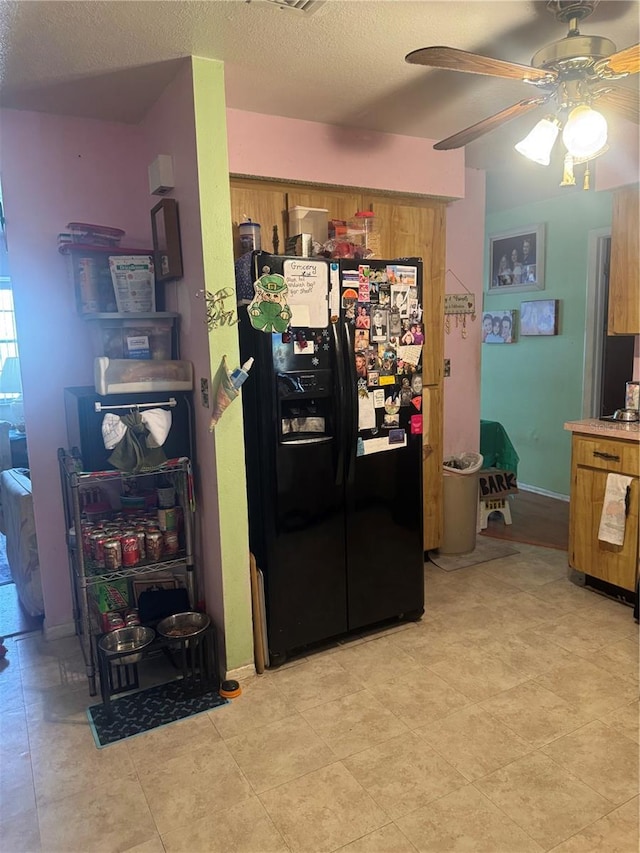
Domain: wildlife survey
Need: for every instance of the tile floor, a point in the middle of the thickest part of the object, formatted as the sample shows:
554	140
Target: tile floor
506	721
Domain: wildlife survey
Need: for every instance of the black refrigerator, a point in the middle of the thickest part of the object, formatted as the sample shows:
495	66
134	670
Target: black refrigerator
333	443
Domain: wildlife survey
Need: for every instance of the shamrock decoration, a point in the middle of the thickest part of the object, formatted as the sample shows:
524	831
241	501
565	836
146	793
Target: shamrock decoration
269	311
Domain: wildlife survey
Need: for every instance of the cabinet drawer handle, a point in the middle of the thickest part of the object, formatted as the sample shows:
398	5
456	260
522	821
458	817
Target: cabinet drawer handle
609	456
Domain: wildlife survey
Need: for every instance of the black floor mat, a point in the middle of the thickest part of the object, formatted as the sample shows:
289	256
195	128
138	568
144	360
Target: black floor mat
147	709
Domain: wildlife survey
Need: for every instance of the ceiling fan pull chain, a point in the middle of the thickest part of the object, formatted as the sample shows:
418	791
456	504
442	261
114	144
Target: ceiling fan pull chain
587	175
568	178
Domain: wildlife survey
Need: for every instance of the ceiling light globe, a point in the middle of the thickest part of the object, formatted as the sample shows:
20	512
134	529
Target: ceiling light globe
539	141
585	132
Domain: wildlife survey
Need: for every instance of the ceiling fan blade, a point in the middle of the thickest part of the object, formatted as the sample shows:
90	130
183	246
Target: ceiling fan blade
625	61
452	59
623	102
469	134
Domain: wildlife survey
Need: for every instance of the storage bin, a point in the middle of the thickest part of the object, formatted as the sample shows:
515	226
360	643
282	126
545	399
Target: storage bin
309	220
145	336
130	376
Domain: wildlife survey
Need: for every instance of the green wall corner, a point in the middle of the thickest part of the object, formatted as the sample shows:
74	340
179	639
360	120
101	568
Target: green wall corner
217	248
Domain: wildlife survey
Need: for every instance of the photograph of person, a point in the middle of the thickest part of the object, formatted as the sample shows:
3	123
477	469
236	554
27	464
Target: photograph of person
373	378
363	320
418	333
379	324
362	340
361	365
498	328
388	361
513	258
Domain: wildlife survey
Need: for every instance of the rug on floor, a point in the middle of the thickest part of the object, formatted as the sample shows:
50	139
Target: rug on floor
484	551
149	709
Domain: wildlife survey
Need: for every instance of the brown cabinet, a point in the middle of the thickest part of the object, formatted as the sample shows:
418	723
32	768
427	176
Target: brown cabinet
592	459
624	278
409	226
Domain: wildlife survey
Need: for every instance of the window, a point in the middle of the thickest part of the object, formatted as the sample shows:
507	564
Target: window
8	337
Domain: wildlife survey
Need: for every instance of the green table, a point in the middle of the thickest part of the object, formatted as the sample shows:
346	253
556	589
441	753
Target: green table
496	447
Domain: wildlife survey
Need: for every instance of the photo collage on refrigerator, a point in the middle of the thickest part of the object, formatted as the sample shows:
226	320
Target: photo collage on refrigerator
383	305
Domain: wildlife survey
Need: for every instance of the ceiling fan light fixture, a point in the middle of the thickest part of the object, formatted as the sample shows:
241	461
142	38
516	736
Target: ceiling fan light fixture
538	143
585	133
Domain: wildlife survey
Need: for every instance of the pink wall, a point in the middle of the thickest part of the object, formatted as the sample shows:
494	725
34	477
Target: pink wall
619	166
465	255
295	150
56	170
169	128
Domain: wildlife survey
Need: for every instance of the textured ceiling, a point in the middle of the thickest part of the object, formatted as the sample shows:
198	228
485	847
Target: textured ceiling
343	64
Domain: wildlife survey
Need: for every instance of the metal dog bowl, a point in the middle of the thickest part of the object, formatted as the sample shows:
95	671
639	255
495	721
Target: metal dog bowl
132	639
183	627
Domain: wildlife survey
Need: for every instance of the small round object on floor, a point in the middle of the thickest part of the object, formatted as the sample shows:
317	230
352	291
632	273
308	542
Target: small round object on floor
230	689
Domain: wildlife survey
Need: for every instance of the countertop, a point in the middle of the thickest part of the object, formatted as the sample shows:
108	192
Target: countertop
608	429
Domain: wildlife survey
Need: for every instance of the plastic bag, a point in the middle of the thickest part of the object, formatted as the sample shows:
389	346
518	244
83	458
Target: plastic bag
464	463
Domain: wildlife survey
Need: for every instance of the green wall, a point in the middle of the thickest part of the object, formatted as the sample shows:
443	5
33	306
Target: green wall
217	249
534	385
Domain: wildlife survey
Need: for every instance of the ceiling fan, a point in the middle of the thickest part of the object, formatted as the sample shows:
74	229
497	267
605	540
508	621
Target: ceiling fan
573	73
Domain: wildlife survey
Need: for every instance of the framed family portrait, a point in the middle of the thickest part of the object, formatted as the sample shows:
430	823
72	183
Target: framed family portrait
539	317
516	260
498	327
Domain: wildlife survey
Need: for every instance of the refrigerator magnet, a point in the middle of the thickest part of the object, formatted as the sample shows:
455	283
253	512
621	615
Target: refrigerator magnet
416	424
378	398
396	436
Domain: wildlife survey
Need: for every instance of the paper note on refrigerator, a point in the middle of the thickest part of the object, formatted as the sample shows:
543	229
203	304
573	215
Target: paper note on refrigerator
366	412
308	292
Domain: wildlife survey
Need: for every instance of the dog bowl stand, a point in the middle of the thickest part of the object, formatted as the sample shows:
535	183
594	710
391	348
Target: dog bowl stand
195	658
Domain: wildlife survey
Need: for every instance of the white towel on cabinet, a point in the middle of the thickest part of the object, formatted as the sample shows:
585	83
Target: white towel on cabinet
614	509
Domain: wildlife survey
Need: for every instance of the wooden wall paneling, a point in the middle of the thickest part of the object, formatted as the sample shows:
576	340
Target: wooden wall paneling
624	279
260	202
432	476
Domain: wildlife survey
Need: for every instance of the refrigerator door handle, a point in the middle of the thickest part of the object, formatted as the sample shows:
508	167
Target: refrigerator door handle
351	401
340	401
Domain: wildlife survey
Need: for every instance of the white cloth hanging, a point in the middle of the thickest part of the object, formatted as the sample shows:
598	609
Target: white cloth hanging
614	509
157	421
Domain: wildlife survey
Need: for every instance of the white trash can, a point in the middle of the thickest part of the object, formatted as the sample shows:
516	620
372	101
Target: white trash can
460	503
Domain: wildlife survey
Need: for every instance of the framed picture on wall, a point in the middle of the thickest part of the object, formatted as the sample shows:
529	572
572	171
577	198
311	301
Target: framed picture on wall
498	327
516	260
539	317
165	229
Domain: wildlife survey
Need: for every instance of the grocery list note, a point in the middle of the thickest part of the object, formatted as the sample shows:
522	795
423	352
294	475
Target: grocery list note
308	296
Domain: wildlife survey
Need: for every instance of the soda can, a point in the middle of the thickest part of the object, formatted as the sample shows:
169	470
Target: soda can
97	548
142	549
113	621
170	542
130	550
153	545
131	617
112	554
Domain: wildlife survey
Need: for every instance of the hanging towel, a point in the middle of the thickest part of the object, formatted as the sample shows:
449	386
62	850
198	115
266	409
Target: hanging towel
132	453
157	422
614	509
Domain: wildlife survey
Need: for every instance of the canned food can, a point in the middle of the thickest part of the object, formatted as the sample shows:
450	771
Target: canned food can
86	540
170	541
130	550
153	545
131	617
112	554
167	519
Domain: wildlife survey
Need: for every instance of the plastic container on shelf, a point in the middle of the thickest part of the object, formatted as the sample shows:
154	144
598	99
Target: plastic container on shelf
309	220
151	335
250	239
363	230
131	376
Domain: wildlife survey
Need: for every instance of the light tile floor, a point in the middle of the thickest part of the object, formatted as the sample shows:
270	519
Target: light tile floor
506	721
